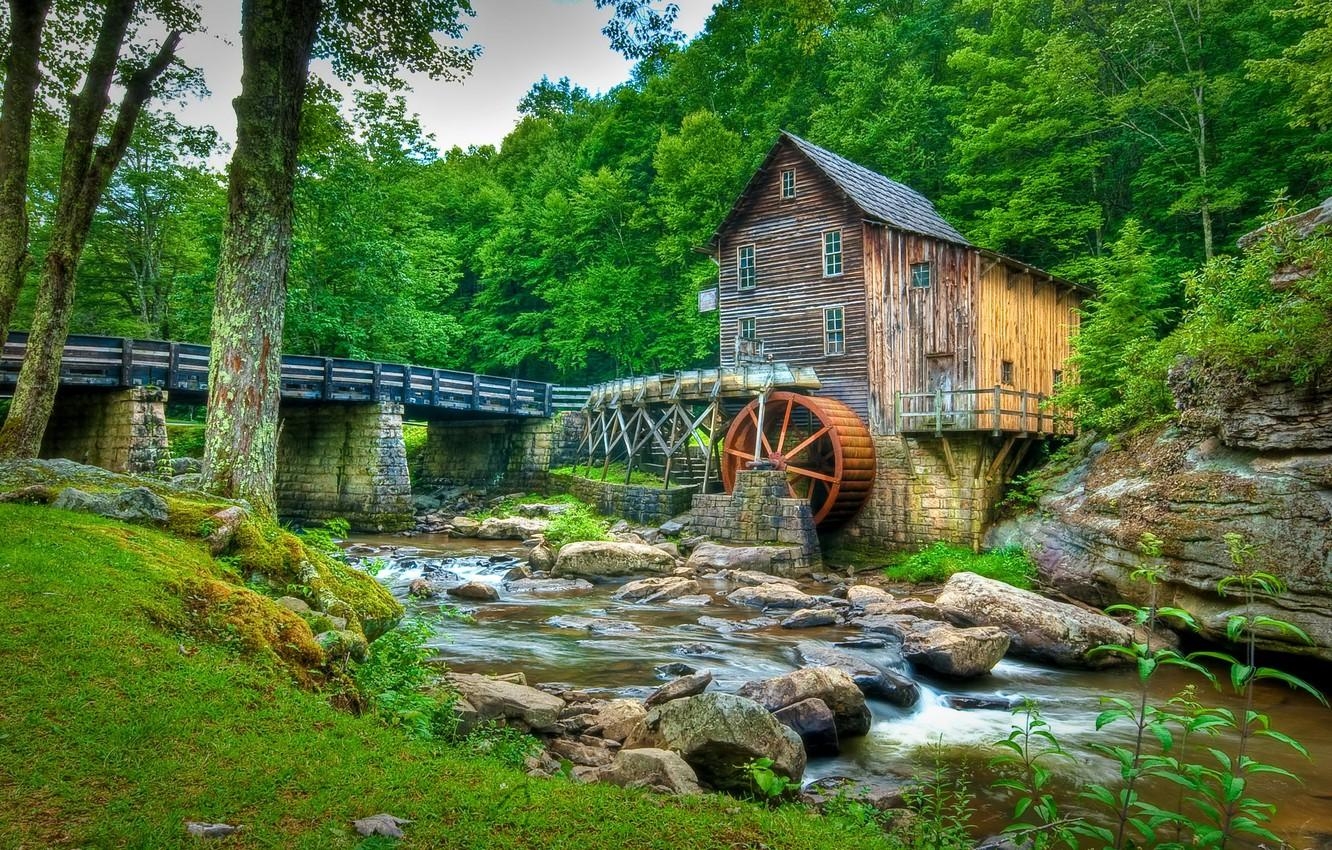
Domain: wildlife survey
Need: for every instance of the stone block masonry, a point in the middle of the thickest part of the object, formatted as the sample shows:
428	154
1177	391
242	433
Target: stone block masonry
120	430
637	502
493	455
344	460
760	512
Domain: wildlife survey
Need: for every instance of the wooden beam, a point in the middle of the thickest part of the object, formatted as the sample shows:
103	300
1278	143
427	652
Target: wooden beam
999	459
948	458
1017	460
906	452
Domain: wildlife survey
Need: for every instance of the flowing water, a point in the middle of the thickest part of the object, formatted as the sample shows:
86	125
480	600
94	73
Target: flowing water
520	633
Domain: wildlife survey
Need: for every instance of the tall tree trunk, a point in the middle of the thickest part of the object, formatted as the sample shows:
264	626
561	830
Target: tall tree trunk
85	172
26	18
240	445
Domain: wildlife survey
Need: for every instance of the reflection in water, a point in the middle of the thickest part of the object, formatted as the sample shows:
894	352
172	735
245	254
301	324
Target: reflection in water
517	634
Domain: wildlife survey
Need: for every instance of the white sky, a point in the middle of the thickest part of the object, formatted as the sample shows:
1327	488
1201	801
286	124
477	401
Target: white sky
521	41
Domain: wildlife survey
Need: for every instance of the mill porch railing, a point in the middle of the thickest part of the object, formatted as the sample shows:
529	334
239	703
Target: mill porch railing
996	409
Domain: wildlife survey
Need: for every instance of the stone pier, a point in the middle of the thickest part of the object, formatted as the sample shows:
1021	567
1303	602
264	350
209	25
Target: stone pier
120	430
491	455
760	512
344	460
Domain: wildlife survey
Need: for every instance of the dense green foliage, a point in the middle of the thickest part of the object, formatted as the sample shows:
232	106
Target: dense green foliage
937	562
1120	143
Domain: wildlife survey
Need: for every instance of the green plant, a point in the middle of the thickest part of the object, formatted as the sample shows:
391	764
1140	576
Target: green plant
394	679
615	473
503	743
769	785
942	800
938	561
1025	769
325	537
575	524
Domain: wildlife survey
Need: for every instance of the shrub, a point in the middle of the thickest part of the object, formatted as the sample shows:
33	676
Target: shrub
575	524
395	677
502	743
940	560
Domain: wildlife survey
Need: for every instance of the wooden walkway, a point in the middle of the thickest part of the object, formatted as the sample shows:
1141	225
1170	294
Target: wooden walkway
181	368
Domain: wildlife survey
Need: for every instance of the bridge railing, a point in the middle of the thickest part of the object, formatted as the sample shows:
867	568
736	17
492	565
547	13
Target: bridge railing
182	367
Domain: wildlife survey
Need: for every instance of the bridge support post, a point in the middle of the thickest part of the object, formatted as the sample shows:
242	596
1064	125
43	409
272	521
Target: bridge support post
515	455
119	430
344	460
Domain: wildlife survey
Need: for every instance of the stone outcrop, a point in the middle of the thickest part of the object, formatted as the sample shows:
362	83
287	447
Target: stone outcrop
136	504
776	560
648	767
511	528
1255	461
609	559
508	702
834	687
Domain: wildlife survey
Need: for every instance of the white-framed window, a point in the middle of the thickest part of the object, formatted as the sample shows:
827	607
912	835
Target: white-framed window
749	328
834	331
832	253
1057	379
1006	372
921	275
746	272
788	184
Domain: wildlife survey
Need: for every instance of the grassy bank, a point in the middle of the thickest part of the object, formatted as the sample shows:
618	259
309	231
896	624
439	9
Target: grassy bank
119	721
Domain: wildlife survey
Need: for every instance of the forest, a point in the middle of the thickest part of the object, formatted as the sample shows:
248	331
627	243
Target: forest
1050	131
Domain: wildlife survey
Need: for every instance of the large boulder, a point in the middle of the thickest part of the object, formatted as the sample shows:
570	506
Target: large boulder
649	767
834	687
609	559
1039	628
771	595
874	680
661	589
135	504
814	722
717	734
685	686
508	702
511	528
777	560
617	719
961	653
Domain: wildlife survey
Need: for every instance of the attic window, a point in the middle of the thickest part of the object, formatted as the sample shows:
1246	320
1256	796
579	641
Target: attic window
746	270
788	184
1006	372
920	275
832	253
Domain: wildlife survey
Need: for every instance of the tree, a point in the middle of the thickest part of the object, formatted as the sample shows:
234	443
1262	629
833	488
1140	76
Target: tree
22	75
369	39
86	168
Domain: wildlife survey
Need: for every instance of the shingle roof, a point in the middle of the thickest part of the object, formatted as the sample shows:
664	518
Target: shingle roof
887	200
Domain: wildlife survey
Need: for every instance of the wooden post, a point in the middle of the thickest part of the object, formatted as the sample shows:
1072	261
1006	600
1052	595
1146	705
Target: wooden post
127	362
550	400
434	388
1040	414
476	392
173	363
1022	415
376	377
328	379
897	411
998	406
938	411
712	445
513	395
666	474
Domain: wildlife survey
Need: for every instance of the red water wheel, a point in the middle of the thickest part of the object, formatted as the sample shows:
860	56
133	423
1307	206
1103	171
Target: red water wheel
822	445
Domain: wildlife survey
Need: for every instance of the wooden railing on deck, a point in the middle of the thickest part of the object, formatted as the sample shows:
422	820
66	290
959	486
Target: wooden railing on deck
994	409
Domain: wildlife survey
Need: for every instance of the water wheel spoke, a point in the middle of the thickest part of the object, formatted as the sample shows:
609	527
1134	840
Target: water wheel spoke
739	453
808	441
762	436
786	423
811	474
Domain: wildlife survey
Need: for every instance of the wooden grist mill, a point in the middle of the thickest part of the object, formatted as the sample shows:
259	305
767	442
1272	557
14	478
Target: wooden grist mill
700	428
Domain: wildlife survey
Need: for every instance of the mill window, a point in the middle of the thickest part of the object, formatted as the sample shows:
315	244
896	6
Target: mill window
920	275
788	184
749	328
1006	372
746	270
832	253
834	331
1057	379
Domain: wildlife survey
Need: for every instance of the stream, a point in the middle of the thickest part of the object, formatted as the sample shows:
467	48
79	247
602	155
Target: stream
516	634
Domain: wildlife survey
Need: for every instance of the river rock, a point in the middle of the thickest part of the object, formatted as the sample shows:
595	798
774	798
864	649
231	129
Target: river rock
860	595
961	653
772	595
964	702
511	703
649	767
691	601
294	604
511	528
662	589
813	721
619	717
589	752
806	618
548	585
541	556
542	509
751	577
874	680
595	625
134	504
726	627
684	686
608	558
465	526
717	734
475	590
837	690
225	524
1040	628
765	559
675	525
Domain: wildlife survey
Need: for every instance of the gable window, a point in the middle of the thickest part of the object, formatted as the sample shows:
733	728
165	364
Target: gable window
834	331
920	275
832	253
788	184
1006	372
749	328
746	271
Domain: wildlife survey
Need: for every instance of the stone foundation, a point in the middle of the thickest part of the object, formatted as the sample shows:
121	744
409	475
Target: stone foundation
344	460
119	430
936	503
499	455
637	502
759	511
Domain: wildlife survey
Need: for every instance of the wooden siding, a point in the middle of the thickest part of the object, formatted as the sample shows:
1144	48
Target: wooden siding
919	337
1028	320
791	292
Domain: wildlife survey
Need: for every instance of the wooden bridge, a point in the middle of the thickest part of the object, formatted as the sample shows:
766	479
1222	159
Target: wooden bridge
181	369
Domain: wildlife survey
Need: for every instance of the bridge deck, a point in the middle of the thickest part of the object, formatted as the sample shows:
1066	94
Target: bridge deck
181	369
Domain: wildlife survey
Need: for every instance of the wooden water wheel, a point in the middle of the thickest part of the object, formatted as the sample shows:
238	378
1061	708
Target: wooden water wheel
823	446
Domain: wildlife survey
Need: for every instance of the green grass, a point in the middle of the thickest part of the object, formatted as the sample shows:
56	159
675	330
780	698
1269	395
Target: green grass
186	439
937	562
614	475
117	726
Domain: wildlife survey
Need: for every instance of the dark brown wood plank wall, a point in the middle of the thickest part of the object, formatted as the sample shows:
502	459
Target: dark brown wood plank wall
791	290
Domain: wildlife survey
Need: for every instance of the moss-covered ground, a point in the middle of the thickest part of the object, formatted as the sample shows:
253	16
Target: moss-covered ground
120	720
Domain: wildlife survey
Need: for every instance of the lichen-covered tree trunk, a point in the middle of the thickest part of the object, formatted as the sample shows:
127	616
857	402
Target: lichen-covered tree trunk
85	171
240	446
26	19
